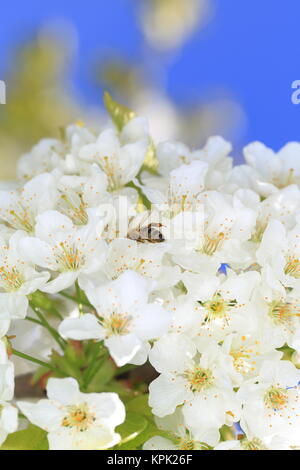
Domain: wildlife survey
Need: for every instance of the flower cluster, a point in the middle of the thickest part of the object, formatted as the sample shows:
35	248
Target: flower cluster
126	252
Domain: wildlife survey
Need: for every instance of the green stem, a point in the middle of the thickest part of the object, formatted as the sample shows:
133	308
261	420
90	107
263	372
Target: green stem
33	359
74	299
42	301
95	364
34	320
57	313
61	342
78	293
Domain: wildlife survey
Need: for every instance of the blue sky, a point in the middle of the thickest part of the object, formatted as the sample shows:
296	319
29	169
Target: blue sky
250	49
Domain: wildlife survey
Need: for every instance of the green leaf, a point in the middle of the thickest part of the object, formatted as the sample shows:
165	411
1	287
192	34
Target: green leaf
118	387
65	366
74	353
287	352
151	162
119	113
150	430
132	427
39	373
140	405
142	198
105	373
226	433
32	438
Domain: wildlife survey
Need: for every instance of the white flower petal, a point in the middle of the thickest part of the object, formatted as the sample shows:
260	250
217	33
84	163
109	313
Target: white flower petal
166	393
123	348
64	391
44	414
153	322
85	327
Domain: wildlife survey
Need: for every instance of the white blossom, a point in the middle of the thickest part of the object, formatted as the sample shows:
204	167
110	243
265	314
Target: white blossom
115	250
125	320
64	249
75	420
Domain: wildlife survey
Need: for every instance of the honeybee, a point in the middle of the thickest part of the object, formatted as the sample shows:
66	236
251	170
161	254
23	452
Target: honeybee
150	233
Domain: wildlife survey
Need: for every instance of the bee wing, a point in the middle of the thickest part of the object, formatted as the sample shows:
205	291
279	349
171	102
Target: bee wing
134	235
